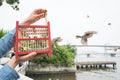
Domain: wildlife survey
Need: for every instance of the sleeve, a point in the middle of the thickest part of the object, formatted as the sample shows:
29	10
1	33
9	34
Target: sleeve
7	73
6	42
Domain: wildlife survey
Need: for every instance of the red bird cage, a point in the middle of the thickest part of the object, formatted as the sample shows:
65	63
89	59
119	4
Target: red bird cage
33	38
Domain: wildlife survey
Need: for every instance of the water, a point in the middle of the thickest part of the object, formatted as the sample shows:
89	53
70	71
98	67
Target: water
101	74
97	74
55	77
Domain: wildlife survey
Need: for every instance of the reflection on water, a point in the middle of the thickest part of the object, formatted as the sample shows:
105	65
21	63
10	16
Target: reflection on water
97	74
54	76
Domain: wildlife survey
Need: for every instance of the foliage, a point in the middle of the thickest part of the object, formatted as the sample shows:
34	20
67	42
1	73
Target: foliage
2	33
61	56
13	3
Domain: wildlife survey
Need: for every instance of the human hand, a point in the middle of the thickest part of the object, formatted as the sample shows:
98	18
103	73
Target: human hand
35	16
15	61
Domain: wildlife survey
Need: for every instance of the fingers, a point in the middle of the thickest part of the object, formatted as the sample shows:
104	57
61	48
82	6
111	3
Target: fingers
42	11
42	15
15	61
27	57
38	11
36	15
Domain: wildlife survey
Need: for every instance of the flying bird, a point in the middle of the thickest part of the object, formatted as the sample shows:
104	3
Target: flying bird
57	39
86	35
114	49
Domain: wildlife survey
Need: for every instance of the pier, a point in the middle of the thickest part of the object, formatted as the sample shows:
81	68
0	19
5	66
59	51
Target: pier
95	57
95	64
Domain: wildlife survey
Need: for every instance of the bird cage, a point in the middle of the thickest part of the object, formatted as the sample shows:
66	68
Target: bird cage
33	38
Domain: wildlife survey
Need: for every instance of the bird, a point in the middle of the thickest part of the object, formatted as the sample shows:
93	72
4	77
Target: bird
86	35
109	24
114	49
57	39
88	16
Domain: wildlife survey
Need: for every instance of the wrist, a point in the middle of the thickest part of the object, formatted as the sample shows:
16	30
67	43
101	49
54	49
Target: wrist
25	22
13	62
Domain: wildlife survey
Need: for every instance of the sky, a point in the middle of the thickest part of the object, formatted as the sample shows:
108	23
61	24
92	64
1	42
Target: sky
68	18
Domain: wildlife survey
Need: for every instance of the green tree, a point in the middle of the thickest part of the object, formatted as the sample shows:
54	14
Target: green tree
61	56
2	33
13	3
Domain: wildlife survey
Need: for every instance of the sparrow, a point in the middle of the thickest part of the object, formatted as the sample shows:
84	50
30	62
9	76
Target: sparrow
86	35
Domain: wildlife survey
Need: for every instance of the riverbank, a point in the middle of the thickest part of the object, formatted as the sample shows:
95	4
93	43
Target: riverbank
38	69
50	72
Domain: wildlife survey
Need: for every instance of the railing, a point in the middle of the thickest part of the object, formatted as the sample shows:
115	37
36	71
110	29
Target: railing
97	49
96	45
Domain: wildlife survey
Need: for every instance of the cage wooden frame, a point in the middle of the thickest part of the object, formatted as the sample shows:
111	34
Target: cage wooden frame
46	50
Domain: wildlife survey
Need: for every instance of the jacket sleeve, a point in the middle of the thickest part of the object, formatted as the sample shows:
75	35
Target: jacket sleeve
7	73
6	42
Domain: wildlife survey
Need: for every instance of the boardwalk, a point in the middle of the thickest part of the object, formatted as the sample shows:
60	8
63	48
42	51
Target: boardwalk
95	64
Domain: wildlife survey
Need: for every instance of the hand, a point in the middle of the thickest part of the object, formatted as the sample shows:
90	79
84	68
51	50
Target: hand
15	61
35	16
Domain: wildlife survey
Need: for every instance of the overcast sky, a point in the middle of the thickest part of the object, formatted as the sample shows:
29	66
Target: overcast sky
68	18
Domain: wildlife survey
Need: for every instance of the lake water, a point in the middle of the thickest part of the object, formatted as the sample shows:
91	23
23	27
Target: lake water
96	74
101	74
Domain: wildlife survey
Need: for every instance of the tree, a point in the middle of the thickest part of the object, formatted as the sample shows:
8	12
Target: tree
62	55
2	33
13	3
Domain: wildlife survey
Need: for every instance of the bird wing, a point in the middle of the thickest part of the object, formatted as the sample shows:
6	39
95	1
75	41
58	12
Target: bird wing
89	34
58	39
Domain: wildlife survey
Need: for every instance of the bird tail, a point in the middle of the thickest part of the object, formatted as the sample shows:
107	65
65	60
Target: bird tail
77	36
84	41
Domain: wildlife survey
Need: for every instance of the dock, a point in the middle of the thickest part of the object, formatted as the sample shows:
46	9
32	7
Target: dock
95	64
